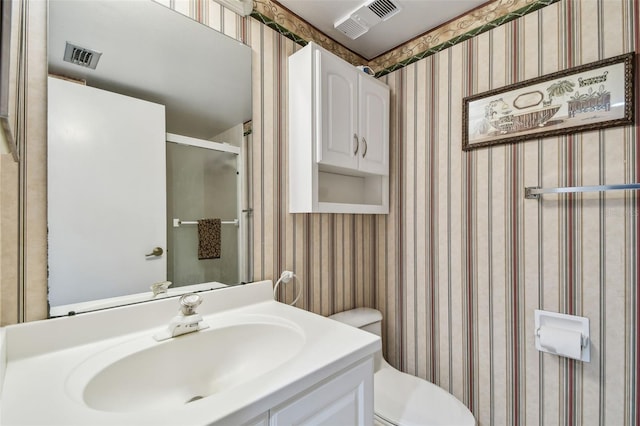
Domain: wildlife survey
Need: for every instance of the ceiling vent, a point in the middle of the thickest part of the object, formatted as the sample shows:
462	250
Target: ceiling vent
366	16
81	56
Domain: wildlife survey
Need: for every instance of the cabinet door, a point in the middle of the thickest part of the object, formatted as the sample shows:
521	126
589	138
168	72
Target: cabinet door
337	109
373	126
261	420
344	400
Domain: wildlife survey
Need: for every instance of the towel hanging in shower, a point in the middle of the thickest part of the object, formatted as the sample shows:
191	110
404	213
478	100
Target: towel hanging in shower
209	238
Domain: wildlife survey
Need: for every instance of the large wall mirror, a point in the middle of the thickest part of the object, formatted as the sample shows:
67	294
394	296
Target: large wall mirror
147	118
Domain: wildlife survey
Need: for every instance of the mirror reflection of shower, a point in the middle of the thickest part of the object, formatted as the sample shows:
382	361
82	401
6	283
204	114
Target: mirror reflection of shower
204	184
201	99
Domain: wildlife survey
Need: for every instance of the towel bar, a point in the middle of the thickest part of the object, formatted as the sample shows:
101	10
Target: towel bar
178	222
534	192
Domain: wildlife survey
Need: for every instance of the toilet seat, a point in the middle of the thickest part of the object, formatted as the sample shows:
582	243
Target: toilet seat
405	400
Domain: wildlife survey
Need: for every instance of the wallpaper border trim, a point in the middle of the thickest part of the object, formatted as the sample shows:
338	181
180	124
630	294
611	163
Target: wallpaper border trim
503	19
279	18
285	22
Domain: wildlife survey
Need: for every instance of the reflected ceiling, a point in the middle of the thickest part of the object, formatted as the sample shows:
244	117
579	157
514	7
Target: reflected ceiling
149	62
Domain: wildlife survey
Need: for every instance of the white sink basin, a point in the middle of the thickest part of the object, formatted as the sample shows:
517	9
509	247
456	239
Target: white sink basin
143	374
104	368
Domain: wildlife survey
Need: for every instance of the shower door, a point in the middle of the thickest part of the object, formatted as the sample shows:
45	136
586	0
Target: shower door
203	182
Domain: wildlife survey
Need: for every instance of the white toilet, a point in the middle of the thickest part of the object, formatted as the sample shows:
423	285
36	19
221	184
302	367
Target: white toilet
402	399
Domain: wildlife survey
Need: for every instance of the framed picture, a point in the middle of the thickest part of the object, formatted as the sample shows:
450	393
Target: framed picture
587	97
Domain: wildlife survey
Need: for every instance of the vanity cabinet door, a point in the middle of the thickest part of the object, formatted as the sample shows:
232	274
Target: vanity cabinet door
346	399
261	420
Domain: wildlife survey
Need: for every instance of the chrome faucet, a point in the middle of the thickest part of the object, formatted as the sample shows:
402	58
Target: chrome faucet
187	320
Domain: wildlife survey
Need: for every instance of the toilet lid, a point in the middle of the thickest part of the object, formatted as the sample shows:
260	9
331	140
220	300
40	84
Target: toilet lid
410	401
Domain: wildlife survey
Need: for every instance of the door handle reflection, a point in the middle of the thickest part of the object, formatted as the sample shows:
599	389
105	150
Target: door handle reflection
156	252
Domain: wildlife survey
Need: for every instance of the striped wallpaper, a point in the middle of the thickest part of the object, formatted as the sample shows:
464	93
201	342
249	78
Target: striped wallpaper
462	260
474	258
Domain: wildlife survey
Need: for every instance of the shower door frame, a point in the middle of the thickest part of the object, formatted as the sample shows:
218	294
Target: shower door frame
243	268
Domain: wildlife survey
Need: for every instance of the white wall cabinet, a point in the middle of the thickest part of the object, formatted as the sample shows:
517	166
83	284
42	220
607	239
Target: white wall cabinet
353	117
338	136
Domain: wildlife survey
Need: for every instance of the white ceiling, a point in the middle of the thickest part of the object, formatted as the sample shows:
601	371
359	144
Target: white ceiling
151	52
415	18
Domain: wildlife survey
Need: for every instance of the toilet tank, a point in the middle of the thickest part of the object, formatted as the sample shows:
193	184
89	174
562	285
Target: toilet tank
366	319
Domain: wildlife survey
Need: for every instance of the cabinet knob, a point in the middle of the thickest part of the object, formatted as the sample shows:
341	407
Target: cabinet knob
364	151
356	144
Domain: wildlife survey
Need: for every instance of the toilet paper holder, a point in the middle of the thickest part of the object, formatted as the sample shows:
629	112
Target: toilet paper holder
562	335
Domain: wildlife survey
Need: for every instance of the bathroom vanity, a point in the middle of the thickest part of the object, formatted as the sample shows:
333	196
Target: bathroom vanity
258	362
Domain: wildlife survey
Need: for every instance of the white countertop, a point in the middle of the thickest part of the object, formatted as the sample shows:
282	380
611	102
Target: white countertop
38	358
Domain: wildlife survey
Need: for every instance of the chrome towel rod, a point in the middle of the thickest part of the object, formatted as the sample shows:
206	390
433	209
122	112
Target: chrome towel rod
534	192
178	222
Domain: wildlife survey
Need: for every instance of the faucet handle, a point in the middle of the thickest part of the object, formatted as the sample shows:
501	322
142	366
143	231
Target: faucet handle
189	302
160	287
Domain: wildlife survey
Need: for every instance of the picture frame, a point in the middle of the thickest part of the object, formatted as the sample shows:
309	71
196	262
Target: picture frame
587	97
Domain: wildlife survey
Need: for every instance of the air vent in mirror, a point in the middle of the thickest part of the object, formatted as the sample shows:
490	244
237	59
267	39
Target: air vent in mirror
81	56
